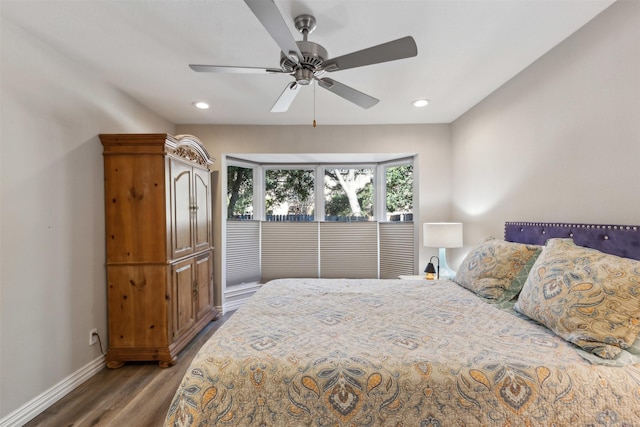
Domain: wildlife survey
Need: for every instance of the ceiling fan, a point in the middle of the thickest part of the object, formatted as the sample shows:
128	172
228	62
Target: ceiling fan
307	61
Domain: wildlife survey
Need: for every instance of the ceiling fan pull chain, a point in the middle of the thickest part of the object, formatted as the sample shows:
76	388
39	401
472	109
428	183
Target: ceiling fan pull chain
314	104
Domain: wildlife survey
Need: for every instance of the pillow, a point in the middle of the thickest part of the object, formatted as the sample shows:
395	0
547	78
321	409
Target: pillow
496	269
635	347
587	297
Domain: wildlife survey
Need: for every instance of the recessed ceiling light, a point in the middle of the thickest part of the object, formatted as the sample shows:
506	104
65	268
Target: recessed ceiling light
201	105
420	102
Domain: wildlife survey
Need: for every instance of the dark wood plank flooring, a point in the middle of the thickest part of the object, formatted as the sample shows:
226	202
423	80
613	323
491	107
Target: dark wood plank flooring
136	395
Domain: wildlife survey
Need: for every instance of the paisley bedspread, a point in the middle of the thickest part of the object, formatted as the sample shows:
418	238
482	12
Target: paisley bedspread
318	352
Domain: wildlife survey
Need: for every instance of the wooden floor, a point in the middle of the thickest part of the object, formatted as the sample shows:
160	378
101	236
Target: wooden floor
136	395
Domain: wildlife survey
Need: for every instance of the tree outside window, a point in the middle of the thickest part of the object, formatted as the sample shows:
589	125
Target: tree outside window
399	192
348	194
239	192
289	194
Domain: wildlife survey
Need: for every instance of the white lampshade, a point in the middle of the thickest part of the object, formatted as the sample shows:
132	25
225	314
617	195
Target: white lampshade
442	234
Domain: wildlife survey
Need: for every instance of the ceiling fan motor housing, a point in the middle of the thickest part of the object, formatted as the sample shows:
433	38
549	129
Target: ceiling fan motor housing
313	55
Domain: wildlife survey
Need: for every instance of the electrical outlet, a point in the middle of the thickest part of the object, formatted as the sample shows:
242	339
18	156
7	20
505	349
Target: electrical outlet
93	336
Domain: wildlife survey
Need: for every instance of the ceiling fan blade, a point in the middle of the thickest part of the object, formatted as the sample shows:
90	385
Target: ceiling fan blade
268	14
234	70
348	93
286	98
390	51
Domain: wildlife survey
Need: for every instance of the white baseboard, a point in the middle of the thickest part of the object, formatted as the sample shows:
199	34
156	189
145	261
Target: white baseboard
231	306
37	405
235	296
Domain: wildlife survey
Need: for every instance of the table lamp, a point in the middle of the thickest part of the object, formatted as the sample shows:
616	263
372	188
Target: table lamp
443	235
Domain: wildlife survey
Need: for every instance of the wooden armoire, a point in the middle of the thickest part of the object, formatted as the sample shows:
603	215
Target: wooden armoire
158	245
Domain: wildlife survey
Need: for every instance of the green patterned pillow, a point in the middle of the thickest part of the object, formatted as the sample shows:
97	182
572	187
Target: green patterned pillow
587	297
496	269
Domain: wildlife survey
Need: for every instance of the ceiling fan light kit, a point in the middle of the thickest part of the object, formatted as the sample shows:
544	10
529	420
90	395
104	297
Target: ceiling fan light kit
306	61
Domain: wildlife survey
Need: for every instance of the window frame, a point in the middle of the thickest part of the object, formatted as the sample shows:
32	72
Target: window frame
230	161
273	166
382	176
372	166
379	183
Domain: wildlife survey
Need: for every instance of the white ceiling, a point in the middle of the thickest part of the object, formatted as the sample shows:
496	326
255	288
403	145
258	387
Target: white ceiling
466	50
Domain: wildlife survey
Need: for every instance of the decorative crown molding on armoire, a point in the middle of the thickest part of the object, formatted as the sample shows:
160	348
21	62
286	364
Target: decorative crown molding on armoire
158	245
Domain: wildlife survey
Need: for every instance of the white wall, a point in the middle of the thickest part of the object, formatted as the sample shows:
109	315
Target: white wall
560	141
53	287
429	142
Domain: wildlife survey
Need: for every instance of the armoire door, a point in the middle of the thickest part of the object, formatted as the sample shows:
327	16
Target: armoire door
183	291
201	209
181	209
204	270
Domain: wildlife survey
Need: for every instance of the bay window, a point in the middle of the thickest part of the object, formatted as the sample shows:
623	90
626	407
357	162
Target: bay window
314	196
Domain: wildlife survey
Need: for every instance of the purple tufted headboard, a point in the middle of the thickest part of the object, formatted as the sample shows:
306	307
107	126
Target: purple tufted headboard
621	240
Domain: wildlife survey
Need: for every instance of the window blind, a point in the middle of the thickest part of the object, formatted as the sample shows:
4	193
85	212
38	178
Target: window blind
243	252
397	249
341	250
349	250
289	249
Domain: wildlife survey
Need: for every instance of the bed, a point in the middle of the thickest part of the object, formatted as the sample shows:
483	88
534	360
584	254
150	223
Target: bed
526	335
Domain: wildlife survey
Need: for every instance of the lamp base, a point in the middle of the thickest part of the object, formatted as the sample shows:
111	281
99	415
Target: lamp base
445	271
